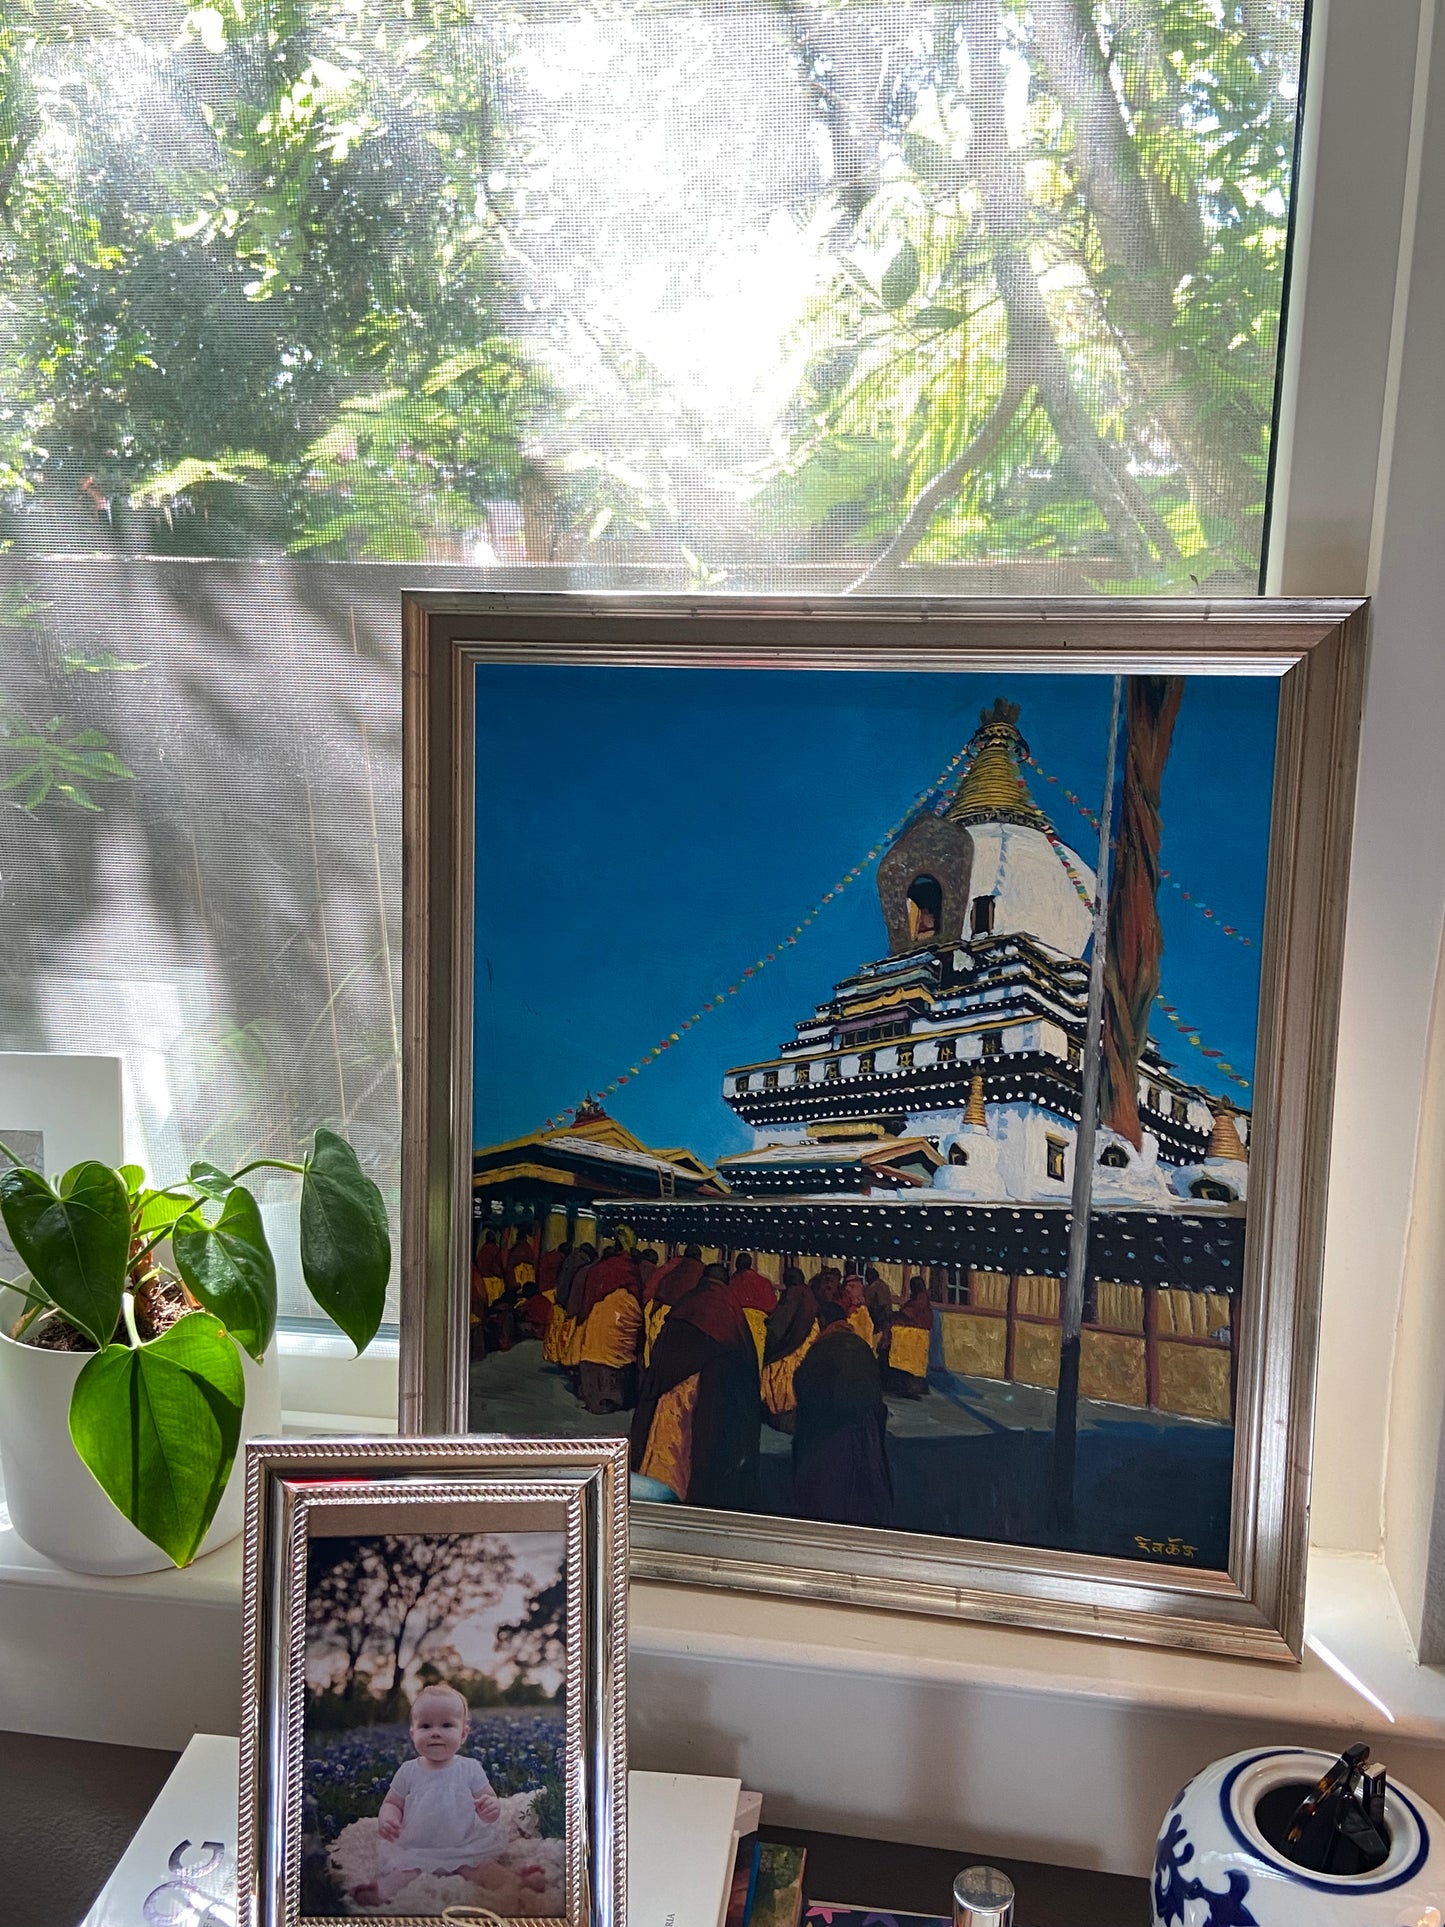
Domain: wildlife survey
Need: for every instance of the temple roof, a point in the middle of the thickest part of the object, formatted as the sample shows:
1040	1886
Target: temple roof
592	1141
993	789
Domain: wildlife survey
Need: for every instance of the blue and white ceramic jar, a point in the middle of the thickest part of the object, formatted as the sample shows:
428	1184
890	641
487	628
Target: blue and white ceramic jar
1213	1866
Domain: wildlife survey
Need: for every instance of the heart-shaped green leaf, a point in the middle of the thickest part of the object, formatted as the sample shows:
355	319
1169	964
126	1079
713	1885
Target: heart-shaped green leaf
75	1241
210	1180
229	1267
158	1210
345	1243
159	1425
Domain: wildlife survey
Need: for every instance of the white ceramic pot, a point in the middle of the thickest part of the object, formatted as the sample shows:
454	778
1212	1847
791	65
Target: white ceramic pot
55	1504
1214	1867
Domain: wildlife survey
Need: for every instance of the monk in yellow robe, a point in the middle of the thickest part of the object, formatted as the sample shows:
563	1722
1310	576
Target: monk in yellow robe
611	1333
792	1329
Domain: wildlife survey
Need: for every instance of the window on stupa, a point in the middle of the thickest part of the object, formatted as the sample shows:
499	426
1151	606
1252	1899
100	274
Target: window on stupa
981	917
1211	1191
741	1084
832	1071
925	907
946	1051
1115	1157
867	1060
770	1080
1076	1054
1180	1110
1054	1149
802	1074
957	1155
905	1057
993	1043
1152	1097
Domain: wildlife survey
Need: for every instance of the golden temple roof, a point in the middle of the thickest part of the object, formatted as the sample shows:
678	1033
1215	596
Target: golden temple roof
993	789
1225	1140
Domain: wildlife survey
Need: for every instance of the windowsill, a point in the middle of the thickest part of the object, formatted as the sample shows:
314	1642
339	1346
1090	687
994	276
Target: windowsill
1359	1668
321	1374
1051	1747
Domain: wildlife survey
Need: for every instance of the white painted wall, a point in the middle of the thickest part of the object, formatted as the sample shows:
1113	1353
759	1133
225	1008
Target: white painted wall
1415	1466
1386	61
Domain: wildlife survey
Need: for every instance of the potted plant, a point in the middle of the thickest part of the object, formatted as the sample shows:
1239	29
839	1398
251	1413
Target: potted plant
132	1351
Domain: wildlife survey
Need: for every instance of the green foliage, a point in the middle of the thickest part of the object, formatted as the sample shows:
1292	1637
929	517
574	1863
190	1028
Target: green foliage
159	1424
154	1423
228	1267
285	280
55	760
345	1241
288	331
74	1240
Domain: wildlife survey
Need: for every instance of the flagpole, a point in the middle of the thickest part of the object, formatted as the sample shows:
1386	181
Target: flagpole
1066	1406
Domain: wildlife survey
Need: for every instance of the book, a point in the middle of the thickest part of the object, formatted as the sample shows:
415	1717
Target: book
778	1885
745	1875
680	1851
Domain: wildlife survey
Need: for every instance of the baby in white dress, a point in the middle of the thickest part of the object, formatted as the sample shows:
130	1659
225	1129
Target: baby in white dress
440	1814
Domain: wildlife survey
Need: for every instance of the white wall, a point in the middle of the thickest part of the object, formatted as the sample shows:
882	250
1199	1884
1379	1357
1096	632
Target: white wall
1363	509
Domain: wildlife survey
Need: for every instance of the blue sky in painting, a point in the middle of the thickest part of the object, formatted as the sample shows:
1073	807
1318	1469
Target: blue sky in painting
645	835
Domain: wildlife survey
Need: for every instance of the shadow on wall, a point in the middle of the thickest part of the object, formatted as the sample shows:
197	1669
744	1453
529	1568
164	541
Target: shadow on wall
201	864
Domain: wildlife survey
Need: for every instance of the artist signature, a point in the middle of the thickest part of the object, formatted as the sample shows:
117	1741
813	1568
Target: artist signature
1165	1548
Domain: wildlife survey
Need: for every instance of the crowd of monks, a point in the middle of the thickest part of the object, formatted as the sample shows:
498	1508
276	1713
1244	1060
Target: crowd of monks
703	1356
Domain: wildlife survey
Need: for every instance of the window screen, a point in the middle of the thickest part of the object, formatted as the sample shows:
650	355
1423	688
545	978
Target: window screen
305	300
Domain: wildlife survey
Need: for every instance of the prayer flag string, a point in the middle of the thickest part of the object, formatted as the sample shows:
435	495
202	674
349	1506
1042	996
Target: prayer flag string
1186	1030
939	792
1190	1035
1189	896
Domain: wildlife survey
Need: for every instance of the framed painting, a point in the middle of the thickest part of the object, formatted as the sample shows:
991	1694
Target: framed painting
433	1717
876	1058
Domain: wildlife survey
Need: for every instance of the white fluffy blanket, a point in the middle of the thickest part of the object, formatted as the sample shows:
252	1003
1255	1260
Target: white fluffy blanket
528	1876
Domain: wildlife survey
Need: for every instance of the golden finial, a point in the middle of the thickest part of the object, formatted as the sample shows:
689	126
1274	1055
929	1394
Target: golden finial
1225	1141
975	1113
993	791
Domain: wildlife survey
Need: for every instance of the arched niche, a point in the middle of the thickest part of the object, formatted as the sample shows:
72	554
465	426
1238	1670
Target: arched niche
923	885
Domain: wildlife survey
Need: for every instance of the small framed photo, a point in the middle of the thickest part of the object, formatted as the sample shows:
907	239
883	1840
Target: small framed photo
433	1717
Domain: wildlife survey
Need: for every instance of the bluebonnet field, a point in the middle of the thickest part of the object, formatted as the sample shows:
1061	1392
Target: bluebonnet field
348	1772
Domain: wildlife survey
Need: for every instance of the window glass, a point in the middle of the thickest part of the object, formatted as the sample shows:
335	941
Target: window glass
303	301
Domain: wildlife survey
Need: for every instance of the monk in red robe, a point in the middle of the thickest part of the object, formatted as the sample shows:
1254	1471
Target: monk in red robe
522	1260
696	1426
611	1333
489	1274
840	1438
669	1283
756	1295
909	1337
549	1266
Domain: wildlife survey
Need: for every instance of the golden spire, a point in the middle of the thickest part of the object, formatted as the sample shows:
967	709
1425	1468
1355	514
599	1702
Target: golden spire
993	791
975	1113
1225	1141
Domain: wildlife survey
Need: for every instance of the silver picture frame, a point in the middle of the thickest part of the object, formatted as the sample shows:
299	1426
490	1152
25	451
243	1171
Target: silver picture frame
467	1485
1316	651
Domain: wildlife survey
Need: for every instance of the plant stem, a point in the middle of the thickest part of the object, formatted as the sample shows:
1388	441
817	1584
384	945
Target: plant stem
160	1236
37	1298
14	1156
127	1312
269	1164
